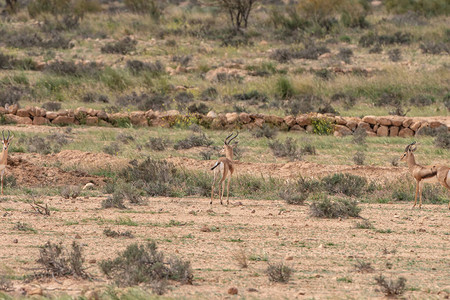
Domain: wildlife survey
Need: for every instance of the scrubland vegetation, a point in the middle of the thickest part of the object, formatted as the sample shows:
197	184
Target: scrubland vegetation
351	57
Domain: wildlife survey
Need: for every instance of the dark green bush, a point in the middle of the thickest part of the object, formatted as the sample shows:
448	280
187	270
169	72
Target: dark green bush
324	207
343	183
124	46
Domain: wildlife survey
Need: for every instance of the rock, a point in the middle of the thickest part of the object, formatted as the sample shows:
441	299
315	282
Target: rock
297	128
393	131
351	124
340	120
138	118
435	124
231	117
51	115
89	186
259	122
63	120
342	130
102	115
384	121
205	229
324	56
11	109
223	74
375	128
407	122
303	120
290	121
289	258
233	291
92	112
2	110
23	112
365	126
40	121
34	291
92	261
371	133
423	125
415	125
370	119
397	121
91	121
15	241
212	114
275	120
244	118
252	290
18	120
406	132
383	131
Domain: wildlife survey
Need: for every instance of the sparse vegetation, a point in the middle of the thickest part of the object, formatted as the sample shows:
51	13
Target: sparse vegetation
279	272
326	207
391	287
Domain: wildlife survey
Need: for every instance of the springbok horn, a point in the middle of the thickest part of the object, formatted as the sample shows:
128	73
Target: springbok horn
225	140
409	146
3	134
237	133
9	134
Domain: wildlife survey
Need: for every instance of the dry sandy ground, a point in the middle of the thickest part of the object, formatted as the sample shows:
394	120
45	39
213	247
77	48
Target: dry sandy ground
405	242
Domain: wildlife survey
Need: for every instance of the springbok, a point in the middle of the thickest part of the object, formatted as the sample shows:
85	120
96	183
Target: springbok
420	173
226	168
443	176
4	156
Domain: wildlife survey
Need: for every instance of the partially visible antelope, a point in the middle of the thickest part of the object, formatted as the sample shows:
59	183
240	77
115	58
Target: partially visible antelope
224	165
443	176
420	173
4	156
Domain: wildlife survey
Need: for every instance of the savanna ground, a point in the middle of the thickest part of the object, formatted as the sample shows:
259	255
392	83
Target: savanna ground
374	59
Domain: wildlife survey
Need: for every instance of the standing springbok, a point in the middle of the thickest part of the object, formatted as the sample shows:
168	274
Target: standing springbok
4	156
226	168
443	176
420	173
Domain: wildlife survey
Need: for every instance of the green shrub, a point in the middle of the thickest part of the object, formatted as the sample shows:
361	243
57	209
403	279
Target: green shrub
194	140
442	139
298	192
324	207
423	7
322	126
343	183
359	158
124	46
288	148
147	7
284	88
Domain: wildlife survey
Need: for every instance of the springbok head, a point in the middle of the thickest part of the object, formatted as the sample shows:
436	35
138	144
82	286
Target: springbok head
6	141
409	150
227	148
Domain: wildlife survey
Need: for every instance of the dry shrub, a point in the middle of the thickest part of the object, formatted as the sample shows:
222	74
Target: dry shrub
266	131
359	158
288	148
200	108
435	48
395	55
194	140
114	234
359	136
157	144
240	256
112	149
324	207
279	272
363	267
391	287
343	183
124	46
70	191
56	261
442	139
5	281
136	67
298	192
364	224
51	106
144	264
114	201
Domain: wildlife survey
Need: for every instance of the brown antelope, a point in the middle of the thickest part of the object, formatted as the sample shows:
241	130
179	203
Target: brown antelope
443	176
225	167
420	173
4	155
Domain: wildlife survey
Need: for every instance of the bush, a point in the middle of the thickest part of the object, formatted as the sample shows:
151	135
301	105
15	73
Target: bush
194	140
56	261
323	207
112	233
125	46
127	190
359	158
363	267
266	130
302	104
144	101
198	108
398	37
146	7
10	94
345	54
288	148
434	48
183	60
144	264
395	55
322	126
365	224
421	100
157	144
70	191
5	282
391	287
284	88
136	67
38	144
253	96
359	136
442	139
51	106
209	94
298	192
422	7
279	272
343	183
114	201
112	149
69	68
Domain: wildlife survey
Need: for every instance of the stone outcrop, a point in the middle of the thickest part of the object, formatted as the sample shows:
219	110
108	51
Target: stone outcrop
374	126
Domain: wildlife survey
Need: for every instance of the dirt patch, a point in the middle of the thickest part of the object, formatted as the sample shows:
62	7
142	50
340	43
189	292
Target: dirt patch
404	242
88	160
292	170
31	170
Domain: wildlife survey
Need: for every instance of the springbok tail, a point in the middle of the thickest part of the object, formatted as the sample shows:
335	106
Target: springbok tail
215	166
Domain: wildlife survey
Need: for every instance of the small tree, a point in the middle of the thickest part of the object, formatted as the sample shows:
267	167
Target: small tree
238	10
